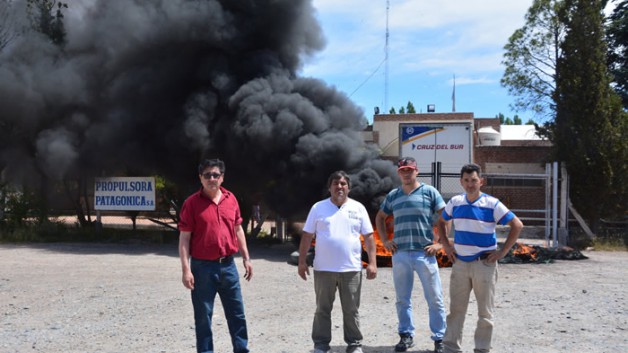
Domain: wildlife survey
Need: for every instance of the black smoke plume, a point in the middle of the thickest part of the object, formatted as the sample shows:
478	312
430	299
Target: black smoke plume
145	87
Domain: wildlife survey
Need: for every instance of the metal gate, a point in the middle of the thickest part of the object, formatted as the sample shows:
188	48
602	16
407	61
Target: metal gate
535	198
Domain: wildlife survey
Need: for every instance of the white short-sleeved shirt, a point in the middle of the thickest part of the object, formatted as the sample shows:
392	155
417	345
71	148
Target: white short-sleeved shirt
337	231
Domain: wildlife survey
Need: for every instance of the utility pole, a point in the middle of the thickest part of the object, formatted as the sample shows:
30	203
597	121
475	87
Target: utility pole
386	61
453	97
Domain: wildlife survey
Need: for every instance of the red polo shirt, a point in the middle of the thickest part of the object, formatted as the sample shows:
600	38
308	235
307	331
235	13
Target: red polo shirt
212	225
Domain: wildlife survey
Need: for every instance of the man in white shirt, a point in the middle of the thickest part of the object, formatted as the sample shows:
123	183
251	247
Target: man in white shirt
336	223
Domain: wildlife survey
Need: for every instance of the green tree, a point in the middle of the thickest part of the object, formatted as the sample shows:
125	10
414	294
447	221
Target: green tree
45	19
503	120
516	120
410	108
530	58
392	111
402	110
590	122
617	38
530	122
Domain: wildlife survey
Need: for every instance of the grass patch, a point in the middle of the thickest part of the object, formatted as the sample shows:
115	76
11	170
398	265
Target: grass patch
605	240
612	237
617	242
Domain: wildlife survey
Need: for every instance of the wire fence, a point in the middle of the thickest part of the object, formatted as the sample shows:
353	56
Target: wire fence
527	195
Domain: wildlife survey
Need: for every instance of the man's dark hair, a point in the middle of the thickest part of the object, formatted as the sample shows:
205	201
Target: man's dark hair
337	175
470	168
210	163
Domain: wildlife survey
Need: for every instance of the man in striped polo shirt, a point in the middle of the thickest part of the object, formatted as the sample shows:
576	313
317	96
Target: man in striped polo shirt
474	256
413	205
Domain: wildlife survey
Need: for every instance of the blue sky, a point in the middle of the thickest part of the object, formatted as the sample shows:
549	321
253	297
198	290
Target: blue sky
429	43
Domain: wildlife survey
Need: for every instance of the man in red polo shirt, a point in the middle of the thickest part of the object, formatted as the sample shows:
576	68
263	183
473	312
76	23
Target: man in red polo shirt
211	233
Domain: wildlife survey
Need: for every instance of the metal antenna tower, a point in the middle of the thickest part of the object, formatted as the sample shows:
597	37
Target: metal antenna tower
386	61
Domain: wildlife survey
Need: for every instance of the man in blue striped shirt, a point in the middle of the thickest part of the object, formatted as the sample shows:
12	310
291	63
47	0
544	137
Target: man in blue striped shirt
474	256
413	204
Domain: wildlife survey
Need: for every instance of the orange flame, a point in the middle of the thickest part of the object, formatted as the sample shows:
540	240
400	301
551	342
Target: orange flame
384	257
524	252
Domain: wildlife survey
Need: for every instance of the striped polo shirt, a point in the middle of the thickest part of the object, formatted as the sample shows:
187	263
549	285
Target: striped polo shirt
474	224
413	215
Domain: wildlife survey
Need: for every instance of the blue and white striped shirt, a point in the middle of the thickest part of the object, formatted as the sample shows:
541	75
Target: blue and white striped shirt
474	224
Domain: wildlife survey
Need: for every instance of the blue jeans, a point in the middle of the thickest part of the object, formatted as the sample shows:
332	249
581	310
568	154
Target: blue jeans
222	278
405	264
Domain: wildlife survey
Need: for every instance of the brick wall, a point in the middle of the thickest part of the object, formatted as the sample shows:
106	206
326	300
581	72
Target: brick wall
525	198
510	154
516	197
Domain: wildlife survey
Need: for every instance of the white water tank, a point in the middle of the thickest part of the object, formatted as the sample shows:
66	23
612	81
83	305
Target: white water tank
489	137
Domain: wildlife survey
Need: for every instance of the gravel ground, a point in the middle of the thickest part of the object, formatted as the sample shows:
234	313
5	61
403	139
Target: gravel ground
129	298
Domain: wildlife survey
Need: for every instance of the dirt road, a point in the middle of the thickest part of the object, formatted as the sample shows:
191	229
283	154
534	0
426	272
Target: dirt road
129	298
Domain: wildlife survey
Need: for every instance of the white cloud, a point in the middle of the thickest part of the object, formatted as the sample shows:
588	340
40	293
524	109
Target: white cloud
462	81
463	35
429	41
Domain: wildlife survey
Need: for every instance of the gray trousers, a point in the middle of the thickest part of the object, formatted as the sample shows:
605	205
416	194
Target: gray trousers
349	285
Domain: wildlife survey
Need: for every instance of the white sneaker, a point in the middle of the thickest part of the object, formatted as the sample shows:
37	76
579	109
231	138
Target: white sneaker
357	349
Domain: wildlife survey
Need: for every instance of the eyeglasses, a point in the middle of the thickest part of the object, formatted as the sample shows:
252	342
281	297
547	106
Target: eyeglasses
212	175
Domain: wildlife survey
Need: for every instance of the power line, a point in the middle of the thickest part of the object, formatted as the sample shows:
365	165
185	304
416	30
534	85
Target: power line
385	61
368	78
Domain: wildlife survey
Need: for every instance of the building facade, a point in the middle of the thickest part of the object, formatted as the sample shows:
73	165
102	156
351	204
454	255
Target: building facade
510	152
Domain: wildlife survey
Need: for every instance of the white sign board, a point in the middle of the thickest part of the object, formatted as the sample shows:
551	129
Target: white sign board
448	143
124	194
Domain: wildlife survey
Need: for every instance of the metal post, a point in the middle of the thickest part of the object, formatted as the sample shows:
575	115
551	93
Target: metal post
555	204
98	222
439	185
548	207
563	231
281	228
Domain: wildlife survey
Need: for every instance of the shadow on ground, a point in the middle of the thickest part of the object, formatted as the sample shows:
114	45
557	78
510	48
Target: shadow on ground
132	247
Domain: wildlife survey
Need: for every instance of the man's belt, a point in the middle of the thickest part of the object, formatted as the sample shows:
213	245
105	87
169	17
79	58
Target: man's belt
223	260
484	256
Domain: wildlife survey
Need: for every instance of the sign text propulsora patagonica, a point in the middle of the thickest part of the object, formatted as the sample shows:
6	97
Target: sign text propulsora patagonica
124	194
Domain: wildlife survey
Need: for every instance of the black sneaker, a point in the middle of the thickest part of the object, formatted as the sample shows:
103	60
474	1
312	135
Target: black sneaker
438	347
404	343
